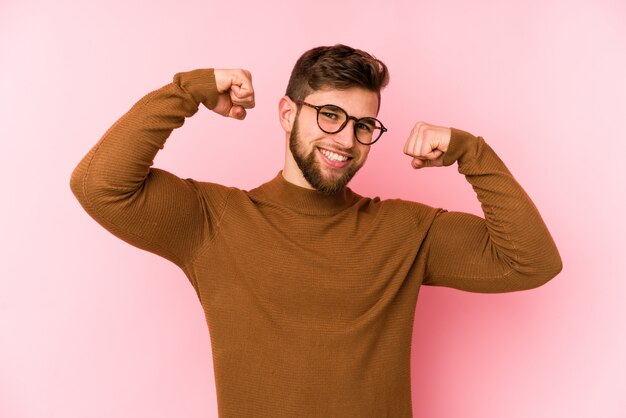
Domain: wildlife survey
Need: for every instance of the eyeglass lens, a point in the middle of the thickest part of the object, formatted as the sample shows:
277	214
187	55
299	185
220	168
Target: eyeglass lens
332	119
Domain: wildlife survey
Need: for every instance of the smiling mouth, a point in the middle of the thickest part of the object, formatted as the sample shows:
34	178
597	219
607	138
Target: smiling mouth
334	156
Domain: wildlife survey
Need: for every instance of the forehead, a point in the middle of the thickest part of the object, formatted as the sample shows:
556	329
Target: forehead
356	101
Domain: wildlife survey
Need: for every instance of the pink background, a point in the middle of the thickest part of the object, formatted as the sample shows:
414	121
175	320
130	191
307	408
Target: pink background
91	327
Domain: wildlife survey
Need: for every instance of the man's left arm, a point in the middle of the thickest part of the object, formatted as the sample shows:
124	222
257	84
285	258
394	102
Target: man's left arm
510	249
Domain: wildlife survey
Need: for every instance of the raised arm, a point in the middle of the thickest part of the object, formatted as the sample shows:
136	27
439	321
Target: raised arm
510	249
147	207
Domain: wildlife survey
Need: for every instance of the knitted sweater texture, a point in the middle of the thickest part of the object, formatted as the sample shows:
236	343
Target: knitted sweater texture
309	298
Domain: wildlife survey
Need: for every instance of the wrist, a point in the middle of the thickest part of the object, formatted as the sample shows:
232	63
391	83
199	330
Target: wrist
200	84
461	144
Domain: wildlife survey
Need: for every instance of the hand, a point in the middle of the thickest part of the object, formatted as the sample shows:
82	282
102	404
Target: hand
236	93
427	144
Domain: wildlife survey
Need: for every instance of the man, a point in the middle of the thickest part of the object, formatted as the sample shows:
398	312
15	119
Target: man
309	289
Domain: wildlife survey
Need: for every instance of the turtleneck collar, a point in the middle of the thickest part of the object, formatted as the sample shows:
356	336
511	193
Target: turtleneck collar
303	200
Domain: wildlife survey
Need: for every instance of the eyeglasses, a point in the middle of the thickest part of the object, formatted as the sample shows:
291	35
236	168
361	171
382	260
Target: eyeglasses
332	119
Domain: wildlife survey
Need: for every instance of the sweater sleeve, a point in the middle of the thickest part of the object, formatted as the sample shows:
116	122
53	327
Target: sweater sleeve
148	207
509	250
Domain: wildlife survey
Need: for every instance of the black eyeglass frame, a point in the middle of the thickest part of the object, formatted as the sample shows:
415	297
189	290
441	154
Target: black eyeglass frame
345	122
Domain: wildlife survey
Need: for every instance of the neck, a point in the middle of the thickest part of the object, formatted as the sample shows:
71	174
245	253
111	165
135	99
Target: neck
306	200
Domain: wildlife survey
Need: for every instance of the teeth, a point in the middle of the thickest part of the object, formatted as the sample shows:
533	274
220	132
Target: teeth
333	156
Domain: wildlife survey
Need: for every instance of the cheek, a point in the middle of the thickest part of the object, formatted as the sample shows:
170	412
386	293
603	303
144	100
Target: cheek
364	151
310	138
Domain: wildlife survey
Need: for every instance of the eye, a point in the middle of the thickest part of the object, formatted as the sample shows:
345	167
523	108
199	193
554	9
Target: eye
332	114
366	125
329	115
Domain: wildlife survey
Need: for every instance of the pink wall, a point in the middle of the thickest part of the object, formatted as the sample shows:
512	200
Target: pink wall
91	327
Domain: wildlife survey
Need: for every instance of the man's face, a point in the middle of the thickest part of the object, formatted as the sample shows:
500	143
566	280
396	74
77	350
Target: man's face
329	161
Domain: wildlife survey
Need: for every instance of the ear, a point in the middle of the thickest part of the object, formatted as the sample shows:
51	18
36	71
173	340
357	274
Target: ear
287	110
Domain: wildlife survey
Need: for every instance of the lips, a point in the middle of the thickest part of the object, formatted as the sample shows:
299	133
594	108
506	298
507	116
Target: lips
334	158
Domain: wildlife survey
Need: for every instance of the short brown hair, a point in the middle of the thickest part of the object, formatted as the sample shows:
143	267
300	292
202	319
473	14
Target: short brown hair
337	67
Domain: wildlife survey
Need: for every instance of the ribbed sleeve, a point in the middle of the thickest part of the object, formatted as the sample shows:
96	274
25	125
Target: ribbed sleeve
148	207
510	249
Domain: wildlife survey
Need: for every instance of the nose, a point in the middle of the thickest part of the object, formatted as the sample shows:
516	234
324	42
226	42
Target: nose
345	138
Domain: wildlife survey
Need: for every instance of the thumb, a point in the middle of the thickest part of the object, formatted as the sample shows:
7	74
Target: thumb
237	112
423	162
225	107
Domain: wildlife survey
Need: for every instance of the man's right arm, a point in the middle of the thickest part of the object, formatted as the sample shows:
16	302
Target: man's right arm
147	207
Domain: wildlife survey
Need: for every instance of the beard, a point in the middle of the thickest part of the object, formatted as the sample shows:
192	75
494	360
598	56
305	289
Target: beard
310	166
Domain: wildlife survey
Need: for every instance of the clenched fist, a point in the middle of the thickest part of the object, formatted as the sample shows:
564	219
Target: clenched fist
236	93
427	144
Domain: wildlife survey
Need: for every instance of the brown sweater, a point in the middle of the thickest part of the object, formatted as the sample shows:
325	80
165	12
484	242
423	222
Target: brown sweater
309	298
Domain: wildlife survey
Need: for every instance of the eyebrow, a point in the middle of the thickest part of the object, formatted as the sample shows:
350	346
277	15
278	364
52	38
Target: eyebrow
341	108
